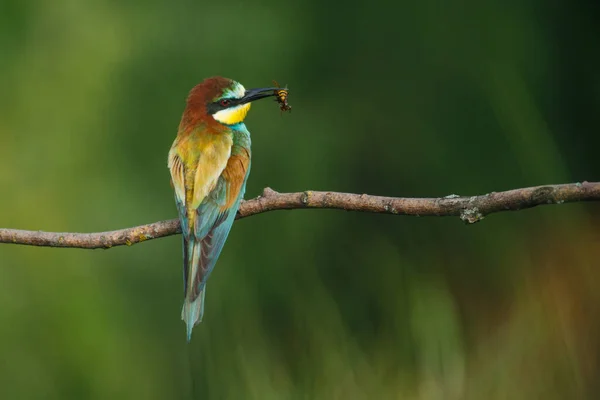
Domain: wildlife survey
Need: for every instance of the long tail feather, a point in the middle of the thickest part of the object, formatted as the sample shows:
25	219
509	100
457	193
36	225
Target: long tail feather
192	312
193	305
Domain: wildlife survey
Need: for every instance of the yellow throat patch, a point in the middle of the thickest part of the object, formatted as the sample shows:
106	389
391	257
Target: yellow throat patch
233	115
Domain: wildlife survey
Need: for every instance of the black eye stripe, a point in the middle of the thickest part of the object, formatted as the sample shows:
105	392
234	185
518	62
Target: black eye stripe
216	106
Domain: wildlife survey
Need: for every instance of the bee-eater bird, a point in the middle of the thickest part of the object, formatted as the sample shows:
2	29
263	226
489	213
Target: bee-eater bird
209	164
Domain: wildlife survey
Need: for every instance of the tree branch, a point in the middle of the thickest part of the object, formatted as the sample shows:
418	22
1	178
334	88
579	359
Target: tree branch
469	209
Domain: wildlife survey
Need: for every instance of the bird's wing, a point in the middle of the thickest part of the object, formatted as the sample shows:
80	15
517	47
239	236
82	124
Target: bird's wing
215	218
177	169
208	219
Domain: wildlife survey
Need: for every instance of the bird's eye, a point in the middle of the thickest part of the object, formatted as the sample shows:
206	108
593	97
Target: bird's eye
225	102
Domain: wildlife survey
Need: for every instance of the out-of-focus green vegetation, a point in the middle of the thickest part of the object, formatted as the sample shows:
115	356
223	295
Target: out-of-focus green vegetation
394	98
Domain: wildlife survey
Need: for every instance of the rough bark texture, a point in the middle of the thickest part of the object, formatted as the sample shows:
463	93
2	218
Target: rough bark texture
470	210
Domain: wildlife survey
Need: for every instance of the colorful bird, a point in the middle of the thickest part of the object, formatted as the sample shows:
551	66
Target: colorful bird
209	163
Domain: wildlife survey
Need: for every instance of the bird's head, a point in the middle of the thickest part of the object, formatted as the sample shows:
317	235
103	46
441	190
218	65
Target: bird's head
223	100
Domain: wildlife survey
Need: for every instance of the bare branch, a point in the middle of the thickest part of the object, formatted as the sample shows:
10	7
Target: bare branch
469	209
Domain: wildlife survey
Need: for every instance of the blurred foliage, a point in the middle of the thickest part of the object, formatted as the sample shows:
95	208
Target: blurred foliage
395	98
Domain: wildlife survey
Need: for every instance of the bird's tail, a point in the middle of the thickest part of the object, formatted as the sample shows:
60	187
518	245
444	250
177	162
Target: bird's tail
193	304
192	312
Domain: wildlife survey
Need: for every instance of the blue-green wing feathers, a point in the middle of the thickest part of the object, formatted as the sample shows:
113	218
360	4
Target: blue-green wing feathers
203	247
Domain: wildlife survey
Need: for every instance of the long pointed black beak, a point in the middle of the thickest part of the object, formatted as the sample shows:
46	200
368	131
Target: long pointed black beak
257	94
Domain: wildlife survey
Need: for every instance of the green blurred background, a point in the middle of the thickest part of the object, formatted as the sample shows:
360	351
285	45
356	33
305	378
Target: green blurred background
421	98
